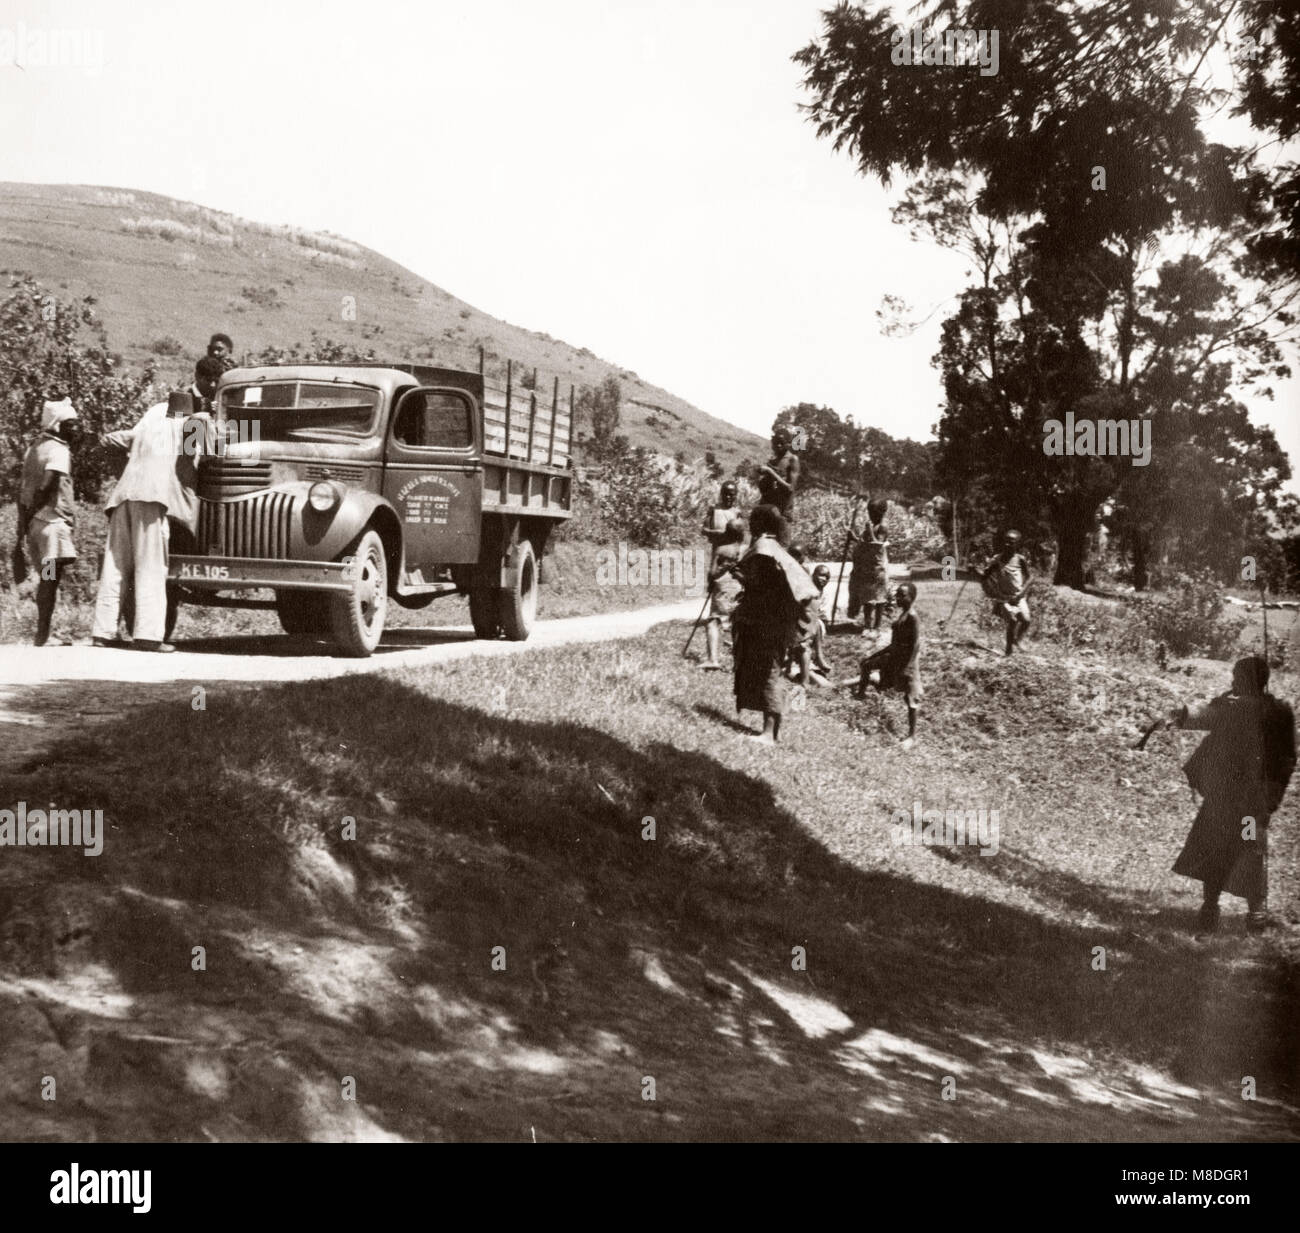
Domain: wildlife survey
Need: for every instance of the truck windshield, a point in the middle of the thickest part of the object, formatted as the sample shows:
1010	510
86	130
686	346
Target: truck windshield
300	410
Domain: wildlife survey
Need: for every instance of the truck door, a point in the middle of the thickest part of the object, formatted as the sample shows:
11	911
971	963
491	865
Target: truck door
434	478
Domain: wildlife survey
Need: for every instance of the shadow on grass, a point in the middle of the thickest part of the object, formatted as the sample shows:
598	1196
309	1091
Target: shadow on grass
622	957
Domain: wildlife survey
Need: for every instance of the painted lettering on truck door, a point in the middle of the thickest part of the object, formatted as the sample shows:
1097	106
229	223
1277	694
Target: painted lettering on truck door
434	479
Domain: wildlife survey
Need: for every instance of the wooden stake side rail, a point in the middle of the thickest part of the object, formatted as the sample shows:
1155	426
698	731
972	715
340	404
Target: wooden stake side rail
538	429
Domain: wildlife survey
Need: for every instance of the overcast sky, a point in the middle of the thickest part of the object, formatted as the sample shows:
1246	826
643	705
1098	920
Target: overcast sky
632	176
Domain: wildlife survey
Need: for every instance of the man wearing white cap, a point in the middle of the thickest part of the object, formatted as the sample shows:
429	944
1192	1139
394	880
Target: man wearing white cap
158	480
46	513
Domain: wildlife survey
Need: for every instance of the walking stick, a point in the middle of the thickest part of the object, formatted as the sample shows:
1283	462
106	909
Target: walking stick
698	619
955	602
1147	731
844	560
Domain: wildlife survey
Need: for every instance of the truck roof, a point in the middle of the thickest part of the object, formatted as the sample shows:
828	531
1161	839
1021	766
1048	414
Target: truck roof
386	376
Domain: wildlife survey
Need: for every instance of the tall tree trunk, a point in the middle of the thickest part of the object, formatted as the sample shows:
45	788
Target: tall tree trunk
1072	522
1141	560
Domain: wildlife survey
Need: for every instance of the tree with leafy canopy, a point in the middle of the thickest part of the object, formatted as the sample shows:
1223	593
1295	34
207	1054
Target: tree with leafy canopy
601	407
1086	158
51	349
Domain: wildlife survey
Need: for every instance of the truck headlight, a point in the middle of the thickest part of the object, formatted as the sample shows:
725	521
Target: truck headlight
323	496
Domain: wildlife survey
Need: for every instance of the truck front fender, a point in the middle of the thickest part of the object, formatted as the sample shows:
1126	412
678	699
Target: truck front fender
328	535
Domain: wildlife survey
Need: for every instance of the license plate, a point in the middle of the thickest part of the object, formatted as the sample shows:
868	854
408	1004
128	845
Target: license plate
205	571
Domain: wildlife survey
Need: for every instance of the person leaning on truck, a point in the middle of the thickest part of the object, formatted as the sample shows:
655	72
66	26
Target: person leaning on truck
159	480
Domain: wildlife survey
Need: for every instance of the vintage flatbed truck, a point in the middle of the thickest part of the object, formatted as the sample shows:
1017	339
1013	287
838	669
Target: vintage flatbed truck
340	487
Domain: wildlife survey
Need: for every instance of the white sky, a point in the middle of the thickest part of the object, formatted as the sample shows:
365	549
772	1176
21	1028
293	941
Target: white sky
632	176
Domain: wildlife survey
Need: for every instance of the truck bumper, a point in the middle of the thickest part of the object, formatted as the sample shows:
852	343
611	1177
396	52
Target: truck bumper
237	573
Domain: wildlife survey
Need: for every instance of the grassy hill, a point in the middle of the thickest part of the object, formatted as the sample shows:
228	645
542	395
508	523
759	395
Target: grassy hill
170	272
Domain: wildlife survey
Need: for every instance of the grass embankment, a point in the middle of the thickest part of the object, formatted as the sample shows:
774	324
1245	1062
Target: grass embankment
502	803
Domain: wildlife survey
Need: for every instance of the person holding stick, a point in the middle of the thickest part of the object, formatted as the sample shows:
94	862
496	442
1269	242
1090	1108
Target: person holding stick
1241	771
724	590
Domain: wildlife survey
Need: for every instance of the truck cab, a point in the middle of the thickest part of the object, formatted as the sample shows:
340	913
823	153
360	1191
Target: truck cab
341	488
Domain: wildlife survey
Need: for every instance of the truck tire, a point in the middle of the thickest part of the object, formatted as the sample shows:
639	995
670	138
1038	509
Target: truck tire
303	613
485	610
518	609
357	618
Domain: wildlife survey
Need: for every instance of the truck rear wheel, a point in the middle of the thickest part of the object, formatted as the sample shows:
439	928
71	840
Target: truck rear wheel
357	618
518	610
304	614
485	610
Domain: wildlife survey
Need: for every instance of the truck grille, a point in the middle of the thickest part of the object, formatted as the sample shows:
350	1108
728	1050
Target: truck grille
258	527
222	477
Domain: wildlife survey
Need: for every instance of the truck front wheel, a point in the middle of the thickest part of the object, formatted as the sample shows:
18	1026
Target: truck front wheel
303	614
519	602
357	618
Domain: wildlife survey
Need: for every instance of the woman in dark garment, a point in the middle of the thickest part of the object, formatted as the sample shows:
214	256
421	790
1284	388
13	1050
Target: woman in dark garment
766	621
1241	770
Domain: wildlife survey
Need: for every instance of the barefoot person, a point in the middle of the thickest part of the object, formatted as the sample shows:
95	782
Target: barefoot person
1241	770
765	625
898	666
779	476
46	512
1006	581
724	590
869	582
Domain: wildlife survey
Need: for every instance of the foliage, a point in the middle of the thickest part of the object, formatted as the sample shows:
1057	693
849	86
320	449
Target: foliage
317	351
601	407
839	452
50	348
822	522
1080	301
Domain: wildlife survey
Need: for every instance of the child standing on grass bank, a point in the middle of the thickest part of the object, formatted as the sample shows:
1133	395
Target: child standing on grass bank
724	590
869	582
898	666
1006	581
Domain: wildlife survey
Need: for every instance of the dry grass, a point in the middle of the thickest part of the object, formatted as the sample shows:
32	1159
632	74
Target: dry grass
502	804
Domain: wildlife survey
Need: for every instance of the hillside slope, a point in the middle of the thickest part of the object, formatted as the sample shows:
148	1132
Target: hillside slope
162	268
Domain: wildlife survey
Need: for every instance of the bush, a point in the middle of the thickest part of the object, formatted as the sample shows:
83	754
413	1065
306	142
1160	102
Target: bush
167	345
1189	618
822	520
50	348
